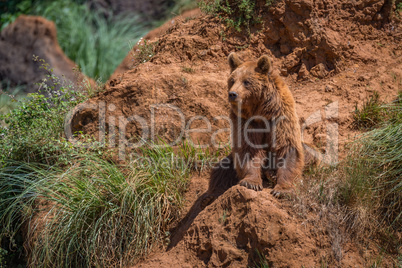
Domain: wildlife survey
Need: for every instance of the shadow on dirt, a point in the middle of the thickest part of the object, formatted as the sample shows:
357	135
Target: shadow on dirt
223	176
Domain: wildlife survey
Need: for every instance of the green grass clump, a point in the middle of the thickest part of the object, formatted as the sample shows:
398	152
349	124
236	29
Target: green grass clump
237	14
375	170
262	261
95	213
365	189
370	114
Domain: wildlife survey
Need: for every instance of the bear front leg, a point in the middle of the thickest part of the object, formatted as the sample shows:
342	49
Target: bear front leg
250	171
252	182
286	174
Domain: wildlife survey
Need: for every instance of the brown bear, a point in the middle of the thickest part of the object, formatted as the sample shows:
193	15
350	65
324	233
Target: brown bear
266	135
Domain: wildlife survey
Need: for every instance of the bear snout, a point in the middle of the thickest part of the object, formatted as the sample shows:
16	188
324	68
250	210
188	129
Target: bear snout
232	96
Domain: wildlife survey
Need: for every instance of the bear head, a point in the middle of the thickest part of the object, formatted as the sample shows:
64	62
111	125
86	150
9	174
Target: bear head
248	85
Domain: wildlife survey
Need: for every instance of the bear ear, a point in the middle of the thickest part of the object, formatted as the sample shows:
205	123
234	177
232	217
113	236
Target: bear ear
264	65
234	61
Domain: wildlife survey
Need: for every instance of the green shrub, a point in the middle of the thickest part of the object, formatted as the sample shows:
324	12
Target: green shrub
9	97
33	132
236	13
144	52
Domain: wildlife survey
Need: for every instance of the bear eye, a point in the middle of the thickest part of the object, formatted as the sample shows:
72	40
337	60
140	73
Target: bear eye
246	83
231	82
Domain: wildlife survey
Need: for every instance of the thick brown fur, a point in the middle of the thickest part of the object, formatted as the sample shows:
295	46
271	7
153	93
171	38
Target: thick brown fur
276	153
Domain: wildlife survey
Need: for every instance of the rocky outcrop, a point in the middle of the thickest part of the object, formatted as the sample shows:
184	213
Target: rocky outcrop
27	37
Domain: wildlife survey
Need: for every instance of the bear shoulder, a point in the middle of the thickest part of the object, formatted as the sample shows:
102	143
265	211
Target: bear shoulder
284	91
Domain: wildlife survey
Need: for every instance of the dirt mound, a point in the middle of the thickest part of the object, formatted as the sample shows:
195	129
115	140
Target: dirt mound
128	61
316	36
308	37
26	37
242	228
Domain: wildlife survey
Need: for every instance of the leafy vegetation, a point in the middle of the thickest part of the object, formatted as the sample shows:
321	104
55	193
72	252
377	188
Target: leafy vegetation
237	14
399	7
33	131
94	212
144	52
9	97
262	261
182	5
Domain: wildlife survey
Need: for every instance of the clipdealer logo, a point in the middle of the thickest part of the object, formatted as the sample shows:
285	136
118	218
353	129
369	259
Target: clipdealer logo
112	129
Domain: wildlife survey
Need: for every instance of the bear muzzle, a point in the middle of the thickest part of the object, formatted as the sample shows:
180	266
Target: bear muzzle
232	96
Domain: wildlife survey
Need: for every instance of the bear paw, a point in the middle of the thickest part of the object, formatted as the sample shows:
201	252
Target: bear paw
281	191
251	183
207	201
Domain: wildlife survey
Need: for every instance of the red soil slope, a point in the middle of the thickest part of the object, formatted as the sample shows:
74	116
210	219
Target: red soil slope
243	224
152	36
